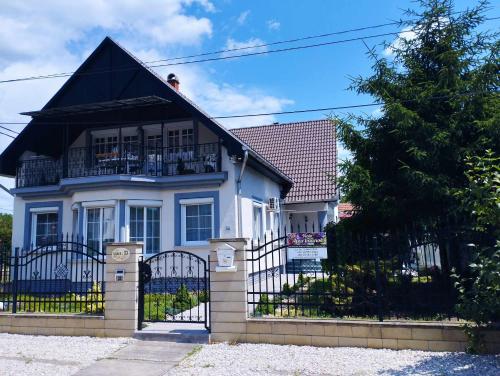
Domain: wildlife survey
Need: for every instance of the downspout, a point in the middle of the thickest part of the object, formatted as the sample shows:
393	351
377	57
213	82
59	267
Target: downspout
238	191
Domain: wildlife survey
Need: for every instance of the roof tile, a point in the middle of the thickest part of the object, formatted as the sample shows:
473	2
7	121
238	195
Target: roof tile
305	151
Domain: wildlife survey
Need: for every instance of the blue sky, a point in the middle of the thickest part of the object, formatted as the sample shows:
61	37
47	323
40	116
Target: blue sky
58	36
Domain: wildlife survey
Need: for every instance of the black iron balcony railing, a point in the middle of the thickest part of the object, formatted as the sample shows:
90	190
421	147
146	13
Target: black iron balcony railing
124	159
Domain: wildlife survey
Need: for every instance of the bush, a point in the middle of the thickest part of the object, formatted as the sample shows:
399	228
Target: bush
95	299
265	307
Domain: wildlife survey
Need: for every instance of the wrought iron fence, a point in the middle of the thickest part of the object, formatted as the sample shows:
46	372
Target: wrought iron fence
63	276
397	274
126	159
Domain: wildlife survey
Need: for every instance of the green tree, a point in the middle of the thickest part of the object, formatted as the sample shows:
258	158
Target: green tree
440	98
479	292
5	230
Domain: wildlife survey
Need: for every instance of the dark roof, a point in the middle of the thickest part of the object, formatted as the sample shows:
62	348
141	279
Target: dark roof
113	76
306	151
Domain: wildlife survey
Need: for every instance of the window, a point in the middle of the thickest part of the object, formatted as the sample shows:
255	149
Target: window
258	229
130	144
100	227
106	144
197	218
44	228
144	225
181	137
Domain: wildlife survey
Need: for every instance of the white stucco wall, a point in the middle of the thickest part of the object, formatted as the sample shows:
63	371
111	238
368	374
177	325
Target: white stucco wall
227	208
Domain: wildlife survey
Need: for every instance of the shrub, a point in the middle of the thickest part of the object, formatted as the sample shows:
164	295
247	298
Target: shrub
95	299
265	307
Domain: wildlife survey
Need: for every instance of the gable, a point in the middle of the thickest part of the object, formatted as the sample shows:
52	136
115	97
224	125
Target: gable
109	74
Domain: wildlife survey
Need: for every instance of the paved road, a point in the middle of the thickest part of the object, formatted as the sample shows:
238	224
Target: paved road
141	358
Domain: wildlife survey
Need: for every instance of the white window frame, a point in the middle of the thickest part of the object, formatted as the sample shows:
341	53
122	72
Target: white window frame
34	218
142	204
100	205
195	201
260	207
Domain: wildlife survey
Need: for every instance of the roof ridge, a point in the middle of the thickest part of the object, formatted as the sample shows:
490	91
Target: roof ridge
283	124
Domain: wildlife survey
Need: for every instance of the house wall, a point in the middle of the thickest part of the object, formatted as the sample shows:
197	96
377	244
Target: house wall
121	198
255	188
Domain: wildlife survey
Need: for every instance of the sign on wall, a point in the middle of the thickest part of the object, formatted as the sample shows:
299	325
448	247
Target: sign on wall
306	246
120	254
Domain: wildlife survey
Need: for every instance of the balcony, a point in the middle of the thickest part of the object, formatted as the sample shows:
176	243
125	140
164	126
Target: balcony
123	159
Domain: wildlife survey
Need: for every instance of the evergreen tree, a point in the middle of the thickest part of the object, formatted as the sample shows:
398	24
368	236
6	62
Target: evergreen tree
439	89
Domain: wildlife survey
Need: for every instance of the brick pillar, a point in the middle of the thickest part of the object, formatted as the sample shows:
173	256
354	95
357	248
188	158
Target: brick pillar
120	310
228	293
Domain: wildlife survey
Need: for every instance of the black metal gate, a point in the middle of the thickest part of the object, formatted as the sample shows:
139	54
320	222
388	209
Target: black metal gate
174	286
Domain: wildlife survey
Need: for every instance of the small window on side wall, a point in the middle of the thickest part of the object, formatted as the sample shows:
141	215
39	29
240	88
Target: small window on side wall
258	223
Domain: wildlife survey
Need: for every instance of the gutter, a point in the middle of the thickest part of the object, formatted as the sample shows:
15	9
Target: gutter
238	191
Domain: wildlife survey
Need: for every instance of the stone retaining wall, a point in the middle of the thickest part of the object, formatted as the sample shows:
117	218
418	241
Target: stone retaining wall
52	324
229	322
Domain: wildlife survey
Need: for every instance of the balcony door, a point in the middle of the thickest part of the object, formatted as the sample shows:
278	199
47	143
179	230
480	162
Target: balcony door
180	151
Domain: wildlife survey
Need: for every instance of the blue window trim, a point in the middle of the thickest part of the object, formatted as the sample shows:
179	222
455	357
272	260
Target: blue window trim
322	215
121	220
177	211
28	218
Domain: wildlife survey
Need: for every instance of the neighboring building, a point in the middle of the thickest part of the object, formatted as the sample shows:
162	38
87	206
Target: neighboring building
119	154
306	152
345	210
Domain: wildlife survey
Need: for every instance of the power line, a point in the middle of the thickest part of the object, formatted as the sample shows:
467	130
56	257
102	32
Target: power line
60	75
8	129
308	37
67	74
264	113
8	135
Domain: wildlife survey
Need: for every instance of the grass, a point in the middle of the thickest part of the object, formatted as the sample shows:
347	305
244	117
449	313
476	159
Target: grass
68	303
158	306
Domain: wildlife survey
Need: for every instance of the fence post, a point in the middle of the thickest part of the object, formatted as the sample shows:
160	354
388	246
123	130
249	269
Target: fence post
228	292
14	280
121	281
377	279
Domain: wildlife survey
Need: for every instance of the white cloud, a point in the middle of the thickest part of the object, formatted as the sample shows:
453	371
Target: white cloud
220	98
247	46
410	33
30	30
242	18
273	25
37	40
406	35
6	200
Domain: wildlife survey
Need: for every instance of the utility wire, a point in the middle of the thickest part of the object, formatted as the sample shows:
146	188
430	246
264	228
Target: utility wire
309	37
59	75
154	65
8	129
263	113
8	135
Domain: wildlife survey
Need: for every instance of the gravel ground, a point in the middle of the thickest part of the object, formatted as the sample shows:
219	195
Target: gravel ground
23	355
250	359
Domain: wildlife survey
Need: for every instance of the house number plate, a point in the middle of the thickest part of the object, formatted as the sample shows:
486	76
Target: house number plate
120	254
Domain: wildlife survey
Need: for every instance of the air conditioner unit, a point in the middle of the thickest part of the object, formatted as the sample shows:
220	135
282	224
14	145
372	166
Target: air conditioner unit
274	204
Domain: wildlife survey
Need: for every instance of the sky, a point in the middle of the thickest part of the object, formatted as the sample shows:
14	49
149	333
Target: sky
58	36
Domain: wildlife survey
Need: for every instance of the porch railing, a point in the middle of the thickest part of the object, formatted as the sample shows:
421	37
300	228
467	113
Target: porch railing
124	159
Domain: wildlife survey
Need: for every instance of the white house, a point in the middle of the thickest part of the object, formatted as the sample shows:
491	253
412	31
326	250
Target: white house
119	154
